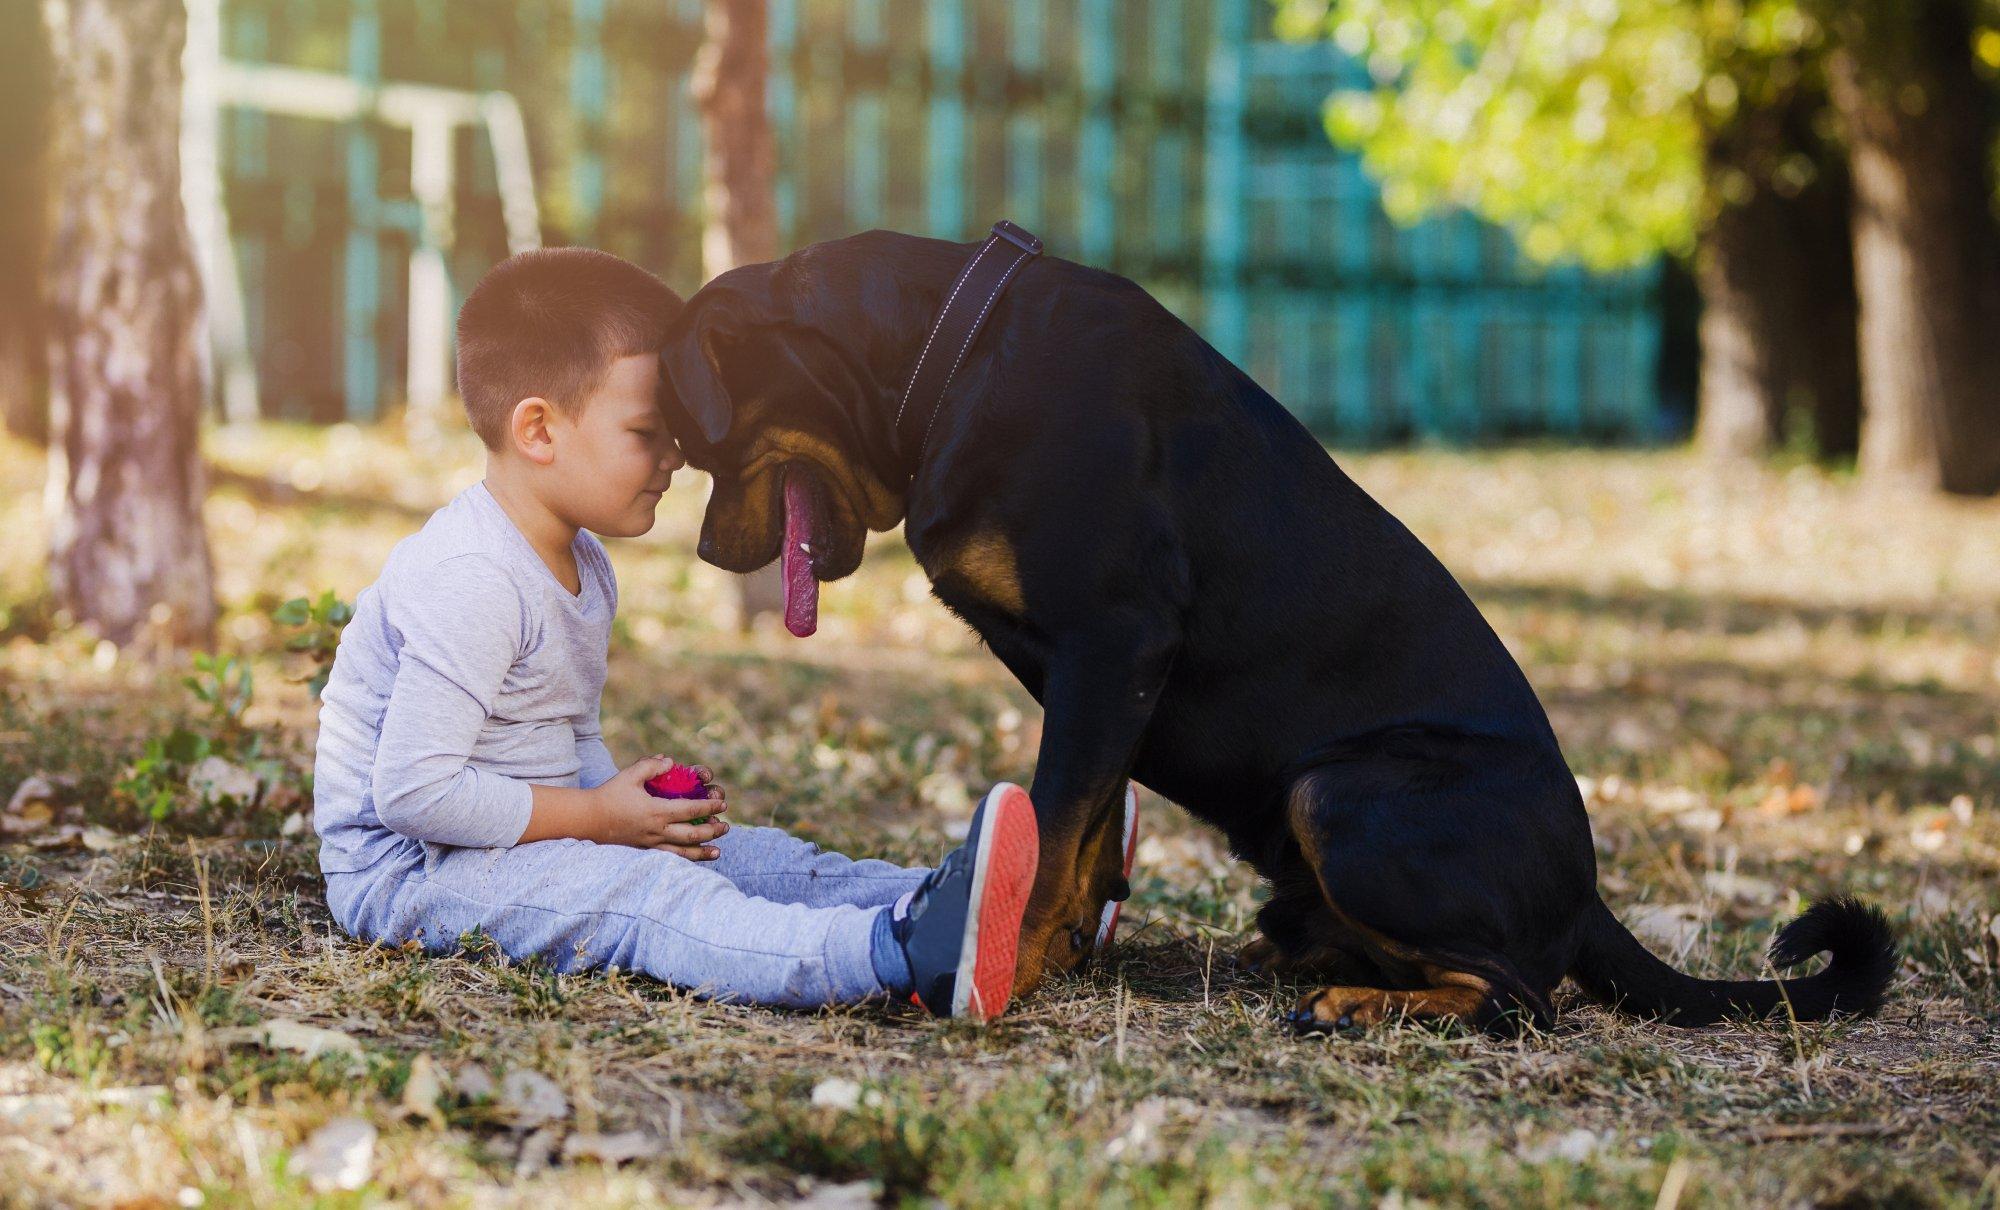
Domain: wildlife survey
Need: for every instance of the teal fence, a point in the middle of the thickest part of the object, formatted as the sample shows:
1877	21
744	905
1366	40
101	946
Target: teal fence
1169	140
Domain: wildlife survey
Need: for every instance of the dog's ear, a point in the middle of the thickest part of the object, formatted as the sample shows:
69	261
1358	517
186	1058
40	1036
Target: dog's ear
692	361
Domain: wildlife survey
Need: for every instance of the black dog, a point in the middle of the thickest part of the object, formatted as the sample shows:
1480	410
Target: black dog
1200	599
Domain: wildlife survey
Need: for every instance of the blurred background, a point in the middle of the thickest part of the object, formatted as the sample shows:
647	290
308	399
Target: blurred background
1765	224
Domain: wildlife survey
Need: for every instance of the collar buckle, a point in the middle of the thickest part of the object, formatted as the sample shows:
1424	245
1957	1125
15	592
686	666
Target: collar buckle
1018	236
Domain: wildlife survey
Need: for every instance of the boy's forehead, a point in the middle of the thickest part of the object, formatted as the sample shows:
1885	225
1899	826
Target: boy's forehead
632	381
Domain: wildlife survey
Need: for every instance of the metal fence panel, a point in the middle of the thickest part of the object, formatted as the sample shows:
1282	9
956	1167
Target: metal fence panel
1169	140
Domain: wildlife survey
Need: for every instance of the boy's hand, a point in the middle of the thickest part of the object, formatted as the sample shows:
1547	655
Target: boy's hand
630	816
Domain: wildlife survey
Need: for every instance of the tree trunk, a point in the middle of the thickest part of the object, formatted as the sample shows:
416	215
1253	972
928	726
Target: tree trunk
1926	245
740	167
128	556
739	185
1776	271
24	99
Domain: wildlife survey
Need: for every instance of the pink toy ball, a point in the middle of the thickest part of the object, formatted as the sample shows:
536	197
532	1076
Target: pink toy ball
680	781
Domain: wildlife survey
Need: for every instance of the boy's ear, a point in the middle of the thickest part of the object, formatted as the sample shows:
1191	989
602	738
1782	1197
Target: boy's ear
719	315
528	428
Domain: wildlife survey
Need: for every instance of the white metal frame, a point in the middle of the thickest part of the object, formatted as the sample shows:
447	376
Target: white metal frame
430	113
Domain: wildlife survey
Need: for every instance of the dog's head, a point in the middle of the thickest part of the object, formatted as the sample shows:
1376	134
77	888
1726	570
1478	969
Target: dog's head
760	384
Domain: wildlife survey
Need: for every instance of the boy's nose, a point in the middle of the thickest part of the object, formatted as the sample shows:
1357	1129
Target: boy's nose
672	461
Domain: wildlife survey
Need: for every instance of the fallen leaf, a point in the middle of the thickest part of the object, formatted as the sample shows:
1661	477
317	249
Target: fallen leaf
1790	800
29	1111
853	1195
338	1156
838	1093
945	792
1193	856
1703	819
1575	1146
68	836
283	1033
472	1082
1673	927
422	1091
1730	885
149	1097
103	840
536	1150
611	1149
1671	800
1631	733
531	1099
1139	1141
32	806
1927	835
215	780
1931	902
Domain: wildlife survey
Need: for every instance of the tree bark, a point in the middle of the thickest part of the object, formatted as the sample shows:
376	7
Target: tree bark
740	165
1776	272
1921	126
24	99
739	184
128	555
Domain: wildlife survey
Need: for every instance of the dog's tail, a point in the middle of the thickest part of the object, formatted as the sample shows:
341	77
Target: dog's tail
1614	969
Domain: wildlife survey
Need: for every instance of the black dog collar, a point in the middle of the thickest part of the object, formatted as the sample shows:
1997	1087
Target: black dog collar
966	306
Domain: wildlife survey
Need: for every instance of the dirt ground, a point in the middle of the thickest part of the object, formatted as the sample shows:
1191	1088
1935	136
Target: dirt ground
1771	686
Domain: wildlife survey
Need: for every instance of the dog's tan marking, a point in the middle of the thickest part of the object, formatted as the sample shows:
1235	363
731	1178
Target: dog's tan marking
758	511
1459	995
985	564
881	509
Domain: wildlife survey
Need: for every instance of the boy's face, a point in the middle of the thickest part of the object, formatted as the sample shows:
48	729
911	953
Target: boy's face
614	457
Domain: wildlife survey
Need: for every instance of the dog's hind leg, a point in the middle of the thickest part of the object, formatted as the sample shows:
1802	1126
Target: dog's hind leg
1298	934
1402	887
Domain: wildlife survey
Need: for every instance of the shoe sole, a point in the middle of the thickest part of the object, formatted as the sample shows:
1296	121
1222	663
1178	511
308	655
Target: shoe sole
1107	925
1003	879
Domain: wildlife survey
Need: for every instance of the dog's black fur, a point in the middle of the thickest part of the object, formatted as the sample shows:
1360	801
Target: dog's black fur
1202	600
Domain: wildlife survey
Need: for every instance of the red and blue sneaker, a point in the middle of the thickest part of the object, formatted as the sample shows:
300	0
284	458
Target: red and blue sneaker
1107	925
962	931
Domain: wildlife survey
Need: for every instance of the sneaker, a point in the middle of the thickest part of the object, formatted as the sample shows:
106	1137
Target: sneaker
1107	925
962	932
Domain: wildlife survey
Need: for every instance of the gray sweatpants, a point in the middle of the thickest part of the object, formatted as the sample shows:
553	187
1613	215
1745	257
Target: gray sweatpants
773	920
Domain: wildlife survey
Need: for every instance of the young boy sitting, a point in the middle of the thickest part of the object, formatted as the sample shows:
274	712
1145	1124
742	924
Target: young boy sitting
461	781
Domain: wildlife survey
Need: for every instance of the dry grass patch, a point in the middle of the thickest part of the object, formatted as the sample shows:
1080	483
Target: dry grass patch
1773	687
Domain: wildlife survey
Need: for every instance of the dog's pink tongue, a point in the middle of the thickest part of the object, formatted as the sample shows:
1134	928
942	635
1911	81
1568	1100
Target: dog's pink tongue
801	590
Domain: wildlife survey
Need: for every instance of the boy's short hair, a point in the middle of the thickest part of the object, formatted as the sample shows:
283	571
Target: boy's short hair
549	323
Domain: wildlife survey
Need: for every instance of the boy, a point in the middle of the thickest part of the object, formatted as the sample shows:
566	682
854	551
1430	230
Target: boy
461	780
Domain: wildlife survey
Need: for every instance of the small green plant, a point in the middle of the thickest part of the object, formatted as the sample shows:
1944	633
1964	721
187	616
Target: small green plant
321	619
69	1047
223	684
177	767
157	779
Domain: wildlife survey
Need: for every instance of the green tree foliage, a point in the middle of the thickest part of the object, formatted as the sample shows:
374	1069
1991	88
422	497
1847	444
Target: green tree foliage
1582	125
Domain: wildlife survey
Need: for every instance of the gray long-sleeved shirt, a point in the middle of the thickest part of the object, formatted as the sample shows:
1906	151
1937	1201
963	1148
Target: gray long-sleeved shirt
467	673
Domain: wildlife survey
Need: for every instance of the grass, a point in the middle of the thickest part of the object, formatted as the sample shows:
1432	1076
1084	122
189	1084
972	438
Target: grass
1774	686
